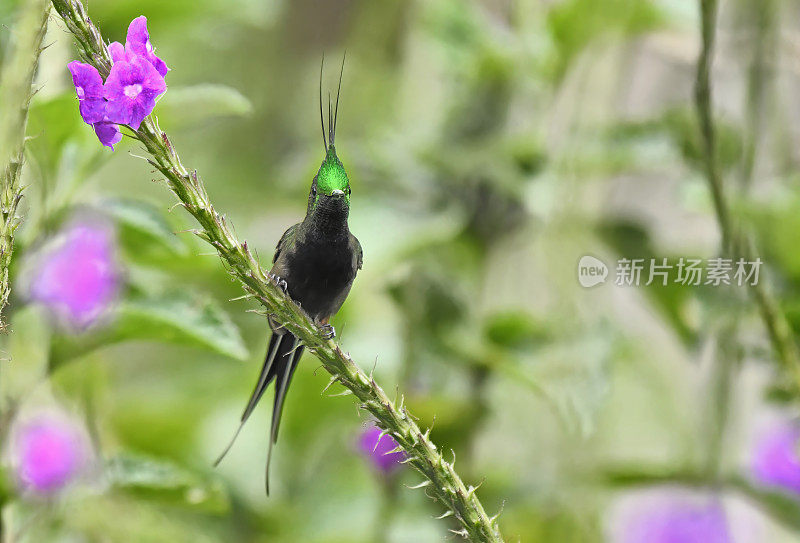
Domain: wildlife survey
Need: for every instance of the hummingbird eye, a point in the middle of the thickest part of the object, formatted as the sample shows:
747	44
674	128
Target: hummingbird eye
313	191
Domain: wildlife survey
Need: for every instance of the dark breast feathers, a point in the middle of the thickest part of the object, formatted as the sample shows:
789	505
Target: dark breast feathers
320	272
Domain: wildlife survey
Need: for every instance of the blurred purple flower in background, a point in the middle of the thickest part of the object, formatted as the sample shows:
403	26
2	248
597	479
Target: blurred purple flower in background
377	449
77	278
50	451
670	516
776	458
130	91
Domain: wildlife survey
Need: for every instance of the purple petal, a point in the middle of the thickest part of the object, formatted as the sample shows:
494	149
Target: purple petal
108	133
117	52
118	109
87	78
131	90
776	459
138	43
152	82
89	88
93	110
158	64
138	37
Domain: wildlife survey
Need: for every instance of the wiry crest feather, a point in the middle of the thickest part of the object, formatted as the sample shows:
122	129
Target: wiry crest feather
321	117
330	122
333	111
338	91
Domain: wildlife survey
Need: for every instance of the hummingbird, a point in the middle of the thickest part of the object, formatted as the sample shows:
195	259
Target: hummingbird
315	263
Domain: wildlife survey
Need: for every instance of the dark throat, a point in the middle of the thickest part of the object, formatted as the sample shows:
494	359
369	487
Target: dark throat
328	221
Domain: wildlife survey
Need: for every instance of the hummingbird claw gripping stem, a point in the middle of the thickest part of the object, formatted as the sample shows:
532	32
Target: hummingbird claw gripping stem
328	331
283	285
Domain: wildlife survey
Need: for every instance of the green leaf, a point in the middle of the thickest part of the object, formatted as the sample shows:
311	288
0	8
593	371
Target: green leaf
199	103
777	221
143	227
515	330
681	126
156	480
61	144
175	318
642	475
51	123
575	24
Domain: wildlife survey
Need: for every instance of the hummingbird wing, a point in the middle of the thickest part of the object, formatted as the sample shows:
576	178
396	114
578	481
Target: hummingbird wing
286	241
357	251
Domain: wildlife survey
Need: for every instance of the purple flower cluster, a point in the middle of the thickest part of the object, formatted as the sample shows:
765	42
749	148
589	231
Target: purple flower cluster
670	516
130	90
78	277
776	458
50	451
378	448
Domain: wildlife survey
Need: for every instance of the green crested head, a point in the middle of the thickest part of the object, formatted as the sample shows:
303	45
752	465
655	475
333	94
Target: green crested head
332	175
330	190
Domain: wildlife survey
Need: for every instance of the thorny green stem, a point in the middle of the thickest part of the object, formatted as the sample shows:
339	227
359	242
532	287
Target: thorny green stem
15	95
442	482
734	243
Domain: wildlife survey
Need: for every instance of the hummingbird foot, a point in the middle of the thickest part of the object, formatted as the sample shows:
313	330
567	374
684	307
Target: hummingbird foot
328	331
283	285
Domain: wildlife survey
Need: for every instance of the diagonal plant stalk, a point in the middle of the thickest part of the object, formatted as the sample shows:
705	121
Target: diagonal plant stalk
760	77
442	482
734	242
16	79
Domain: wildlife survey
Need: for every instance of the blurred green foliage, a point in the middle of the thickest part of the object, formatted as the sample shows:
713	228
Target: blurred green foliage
490	144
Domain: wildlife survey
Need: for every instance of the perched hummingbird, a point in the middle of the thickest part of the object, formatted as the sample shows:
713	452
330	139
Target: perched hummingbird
315	263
